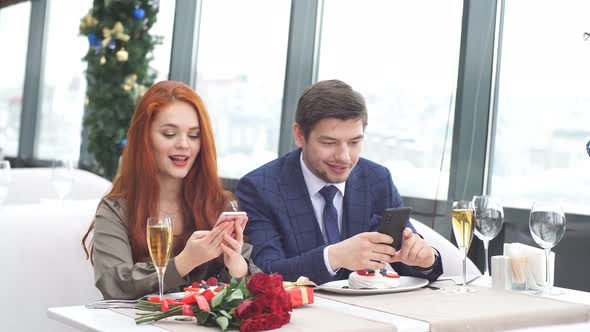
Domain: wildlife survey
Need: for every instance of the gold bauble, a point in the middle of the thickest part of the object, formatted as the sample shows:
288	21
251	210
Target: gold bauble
122	55
102	60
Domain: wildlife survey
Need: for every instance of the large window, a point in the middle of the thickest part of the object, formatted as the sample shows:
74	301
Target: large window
240	75
14	34
164	27
402	56
543	119
64	84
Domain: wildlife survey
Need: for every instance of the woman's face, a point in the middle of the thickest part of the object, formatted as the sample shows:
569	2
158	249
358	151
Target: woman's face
176	140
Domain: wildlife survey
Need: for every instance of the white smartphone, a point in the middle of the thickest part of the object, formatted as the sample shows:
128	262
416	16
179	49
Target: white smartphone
233	214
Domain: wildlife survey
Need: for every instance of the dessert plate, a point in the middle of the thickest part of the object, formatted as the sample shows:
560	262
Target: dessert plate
341	287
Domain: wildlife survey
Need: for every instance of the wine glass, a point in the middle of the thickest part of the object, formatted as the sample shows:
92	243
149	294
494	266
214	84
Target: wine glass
489	218
159	239
463	218
62	178
547	225
5	178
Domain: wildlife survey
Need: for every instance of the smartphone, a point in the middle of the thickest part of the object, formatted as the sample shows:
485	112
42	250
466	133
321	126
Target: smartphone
393	223
232	215
229	214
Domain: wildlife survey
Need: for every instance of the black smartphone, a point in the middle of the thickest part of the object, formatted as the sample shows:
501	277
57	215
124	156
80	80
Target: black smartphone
393	223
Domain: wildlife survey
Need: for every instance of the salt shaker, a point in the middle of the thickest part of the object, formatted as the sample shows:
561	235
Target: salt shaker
501	272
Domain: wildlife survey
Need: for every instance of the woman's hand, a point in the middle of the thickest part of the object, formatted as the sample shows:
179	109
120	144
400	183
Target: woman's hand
232	252
201	247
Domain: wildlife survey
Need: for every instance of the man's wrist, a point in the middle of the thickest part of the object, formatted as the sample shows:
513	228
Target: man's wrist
436	255
333	259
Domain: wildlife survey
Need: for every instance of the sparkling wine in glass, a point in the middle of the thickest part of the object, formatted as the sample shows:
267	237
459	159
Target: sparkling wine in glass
463	219
5	178
62	177
489	218
547	225
159	238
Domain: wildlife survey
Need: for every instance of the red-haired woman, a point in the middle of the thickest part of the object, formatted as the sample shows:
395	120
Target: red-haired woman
169	167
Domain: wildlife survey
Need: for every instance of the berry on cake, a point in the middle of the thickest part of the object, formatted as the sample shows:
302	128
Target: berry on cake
371	279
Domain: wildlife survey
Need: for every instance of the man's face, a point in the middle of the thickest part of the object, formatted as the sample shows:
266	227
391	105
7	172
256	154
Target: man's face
332	148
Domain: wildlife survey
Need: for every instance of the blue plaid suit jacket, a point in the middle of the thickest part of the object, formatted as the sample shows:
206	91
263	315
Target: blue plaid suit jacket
282	226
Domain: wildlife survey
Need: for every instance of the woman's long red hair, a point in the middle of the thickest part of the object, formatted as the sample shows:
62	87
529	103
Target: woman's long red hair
203	193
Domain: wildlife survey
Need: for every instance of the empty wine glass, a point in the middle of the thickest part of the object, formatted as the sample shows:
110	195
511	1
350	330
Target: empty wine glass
547	225
5	178
489	218
62	177
159	239
463	218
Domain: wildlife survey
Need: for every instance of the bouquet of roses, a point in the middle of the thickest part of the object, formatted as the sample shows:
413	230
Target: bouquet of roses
256	304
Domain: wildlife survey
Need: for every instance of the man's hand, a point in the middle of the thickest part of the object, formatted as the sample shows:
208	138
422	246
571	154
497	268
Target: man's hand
415	251
362	251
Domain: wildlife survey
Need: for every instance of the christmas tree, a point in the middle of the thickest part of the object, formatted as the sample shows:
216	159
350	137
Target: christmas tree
118	73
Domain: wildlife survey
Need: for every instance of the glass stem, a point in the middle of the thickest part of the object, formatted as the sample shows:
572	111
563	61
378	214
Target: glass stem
486	244
464	256
547	289
160	271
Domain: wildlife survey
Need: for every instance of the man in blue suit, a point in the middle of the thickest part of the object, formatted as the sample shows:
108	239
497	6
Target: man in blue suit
314	212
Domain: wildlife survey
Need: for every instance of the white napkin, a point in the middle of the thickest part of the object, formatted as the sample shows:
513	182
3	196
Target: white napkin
536	262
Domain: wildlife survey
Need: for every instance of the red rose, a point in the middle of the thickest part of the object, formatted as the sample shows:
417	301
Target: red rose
258	283
248	309
274	320
250	325
276	280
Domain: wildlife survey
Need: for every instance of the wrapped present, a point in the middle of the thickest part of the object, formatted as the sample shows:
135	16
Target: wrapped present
298	291
300	296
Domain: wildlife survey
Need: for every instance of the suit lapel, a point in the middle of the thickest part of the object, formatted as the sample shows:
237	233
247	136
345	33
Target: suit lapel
355	205
295	195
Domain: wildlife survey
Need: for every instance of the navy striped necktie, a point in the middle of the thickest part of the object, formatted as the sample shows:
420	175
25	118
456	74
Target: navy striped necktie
330	214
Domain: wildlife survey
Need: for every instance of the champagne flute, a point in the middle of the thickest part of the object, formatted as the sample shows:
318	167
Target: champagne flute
489	218
463	218
159	238
5	178
62	178
547	225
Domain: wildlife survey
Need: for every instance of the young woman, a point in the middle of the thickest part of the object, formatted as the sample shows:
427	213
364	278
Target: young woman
169	167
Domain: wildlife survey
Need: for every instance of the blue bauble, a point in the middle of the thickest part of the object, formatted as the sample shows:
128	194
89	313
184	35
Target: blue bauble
588	148
139	13
112	45
92	39
123	142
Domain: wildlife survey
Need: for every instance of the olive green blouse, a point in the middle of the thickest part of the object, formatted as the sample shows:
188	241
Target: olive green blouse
117	276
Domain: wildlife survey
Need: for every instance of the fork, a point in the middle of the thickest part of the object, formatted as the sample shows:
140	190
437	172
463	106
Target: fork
105	304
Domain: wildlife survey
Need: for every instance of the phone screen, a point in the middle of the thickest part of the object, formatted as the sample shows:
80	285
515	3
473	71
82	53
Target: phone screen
393	223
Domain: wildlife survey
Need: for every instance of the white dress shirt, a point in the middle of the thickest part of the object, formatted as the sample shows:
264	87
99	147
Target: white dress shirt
314	185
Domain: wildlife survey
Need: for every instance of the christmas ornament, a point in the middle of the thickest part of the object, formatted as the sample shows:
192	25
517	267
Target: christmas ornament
122	55
130	82
138	13
102	60
588	148
117	32
87	22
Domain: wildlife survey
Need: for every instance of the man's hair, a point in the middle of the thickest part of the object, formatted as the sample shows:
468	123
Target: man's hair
329	99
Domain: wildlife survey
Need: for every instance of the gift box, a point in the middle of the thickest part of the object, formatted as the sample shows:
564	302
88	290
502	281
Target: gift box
300	296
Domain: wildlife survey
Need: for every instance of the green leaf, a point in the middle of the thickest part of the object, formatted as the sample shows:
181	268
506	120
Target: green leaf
233	283
225	313
223	322
218	298
235	295
202	316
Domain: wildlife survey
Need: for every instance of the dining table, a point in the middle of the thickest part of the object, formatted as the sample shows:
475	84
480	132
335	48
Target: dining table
379	312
